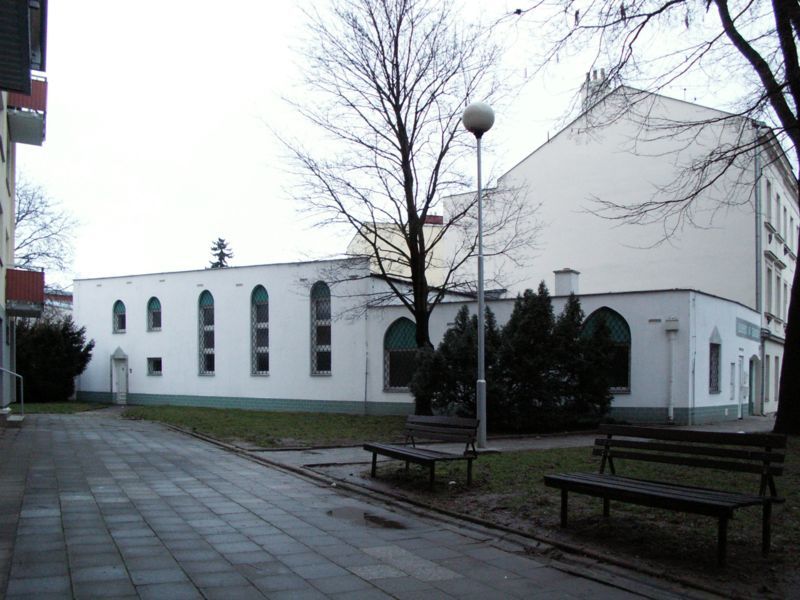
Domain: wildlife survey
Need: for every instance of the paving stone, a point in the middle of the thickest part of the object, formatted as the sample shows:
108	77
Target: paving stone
173	591
100	573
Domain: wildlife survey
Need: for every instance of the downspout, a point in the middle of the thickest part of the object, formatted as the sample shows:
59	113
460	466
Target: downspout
693	350
671	328
366	358
759	275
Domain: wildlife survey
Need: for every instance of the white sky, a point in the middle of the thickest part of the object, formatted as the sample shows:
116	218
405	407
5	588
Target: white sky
158	130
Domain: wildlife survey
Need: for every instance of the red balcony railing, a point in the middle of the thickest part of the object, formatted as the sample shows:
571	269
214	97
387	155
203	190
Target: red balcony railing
24	293
37	100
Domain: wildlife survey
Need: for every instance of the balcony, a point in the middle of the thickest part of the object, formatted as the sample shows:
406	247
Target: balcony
24	293
26	113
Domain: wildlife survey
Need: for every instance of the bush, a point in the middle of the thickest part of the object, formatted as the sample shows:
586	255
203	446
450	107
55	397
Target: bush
50	354
543	373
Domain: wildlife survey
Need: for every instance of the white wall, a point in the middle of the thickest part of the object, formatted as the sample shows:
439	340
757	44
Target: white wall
624	163
288	286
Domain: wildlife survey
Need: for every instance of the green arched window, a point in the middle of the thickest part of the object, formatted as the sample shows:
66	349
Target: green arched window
259	331
620	335
153	314
205	331
321	357
118	318
399	353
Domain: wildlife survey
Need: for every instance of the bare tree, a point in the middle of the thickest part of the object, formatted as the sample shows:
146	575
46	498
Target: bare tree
387	82
660	43
43	230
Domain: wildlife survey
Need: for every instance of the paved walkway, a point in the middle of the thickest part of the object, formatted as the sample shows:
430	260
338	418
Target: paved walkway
93	506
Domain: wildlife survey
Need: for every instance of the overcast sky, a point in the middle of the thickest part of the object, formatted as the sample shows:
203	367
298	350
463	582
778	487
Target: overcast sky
159	130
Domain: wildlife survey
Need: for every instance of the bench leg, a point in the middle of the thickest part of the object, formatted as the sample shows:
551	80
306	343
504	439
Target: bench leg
563	508
374	463
606	507
765	528
722	540
469	472
433	467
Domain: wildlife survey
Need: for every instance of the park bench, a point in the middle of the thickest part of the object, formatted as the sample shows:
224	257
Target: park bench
755	453
440	429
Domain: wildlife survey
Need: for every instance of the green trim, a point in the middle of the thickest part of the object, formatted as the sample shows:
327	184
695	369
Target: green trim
259	295
119	307
206	299
268	404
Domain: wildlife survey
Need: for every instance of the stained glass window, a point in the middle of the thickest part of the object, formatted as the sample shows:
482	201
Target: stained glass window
399	354
321	342
259	331
153	314
118	323
620	335
206	333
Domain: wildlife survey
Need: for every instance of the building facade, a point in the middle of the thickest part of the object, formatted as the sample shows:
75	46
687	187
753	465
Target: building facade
736	239
23	107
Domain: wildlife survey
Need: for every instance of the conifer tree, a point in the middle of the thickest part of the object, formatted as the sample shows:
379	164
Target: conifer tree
221	253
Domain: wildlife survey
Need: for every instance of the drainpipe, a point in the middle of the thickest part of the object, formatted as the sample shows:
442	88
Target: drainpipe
693	350
759	241
366	358
671	328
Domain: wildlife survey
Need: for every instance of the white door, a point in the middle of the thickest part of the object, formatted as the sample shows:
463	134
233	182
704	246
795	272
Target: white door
119	381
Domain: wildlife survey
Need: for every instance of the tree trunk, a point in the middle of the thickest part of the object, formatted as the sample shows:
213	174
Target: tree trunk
788	418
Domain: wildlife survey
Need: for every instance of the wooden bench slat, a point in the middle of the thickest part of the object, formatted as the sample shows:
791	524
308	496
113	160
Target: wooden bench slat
442	421
723	452
669	491
693	462
765	440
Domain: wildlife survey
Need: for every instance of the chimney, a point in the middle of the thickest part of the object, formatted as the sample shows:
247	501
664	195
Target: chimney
594	87
566	282
434	220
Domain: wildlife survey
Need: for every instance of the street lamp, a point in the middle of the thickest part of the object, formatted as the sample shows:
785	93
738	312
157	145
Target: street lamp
478	119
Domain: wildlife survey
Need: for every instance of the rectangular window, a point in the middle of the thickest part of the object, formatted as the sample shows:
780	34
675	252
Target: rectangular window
155	320
785	302
713	368
777	377
784	223
767	378
778	311
119	322
768	201
777	213
154	366
792	235
768	300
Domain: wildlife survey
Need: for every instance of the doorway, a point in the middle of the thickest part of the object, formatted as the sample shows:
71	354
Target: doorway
119	377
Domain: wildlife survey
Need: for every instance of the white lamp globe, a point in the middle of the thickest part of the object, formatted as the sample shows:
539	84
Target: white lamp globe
478	118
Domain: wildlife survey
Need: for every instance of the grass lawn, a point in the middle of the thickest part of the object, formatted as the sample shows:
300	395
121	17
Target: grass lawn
276	429
508	490
60	408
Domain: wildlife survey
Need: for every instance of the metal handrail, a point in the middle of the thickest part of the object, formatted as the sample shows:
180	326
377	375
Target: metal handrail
21	390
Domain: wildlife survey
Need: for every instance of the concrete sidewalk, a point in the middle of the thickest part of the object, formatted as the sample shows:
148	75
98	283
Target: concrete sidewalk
93	506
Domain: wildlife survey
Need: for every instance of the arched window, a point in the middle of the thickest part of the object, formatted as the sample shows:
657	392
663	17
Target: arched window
205	327
153	314
320	329
259	331
620	335
118	323
399	352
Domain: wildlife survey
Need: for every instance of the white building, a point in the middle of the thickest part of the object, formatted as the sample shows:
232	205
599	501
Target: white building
283	337
737	240
698	320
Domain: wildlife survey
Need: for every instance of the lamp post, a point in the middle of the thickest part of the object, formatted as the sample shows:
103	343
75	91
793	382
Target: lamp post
478	119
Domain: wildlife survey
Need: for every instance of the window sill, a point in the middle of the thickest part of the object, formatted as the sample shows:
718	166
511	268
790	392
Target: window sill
154	330
118	332
205	374
396	390
715	392
261	374
322	374
620	391
154	374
